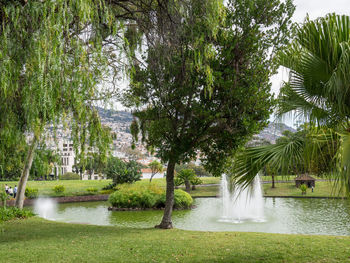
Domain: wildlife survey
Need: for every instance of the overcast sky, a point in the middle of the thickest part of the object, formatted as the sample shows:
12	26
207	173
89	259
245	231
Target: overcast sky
315	9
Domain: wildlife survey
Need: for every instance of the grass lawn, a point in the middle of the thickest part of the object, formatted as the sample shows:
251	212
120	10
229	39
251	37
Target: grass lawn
322	189
37	240
78	187
72	187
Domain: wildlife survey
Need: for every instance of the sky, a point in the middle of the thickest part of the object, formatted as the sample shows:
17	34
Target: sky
315	9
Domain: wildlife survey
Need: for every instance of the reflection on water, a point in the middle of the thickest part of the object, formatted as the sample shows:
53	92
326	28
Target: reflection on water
282	215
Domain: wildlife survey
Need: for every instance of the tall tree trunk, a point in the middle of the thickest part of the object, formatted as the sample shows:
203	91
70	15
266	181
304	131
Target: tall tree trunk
273	181
25	173
169	201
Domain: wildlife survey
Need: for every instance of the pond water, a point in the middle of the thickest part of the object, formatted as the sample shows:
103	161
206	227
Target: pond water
281	215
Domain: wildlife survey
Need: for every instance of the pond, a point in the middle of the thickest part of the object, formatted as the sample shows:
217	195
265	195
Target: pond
281	215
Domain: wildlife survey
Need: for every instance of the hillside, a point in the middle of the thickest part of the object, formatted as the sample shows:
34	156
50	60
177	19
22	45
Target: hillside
120	121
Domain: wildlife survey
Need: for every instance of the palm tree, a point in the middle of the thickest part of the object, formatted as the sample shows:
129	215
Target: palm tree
319	82
319	90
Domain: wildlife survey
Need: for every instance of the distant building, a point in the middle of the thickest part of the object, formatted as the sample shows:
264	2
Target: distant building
66	152
305	179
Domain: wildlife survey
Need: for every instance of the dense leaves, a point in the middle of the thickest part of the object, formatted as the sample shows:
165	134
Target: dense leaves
203	86
123	172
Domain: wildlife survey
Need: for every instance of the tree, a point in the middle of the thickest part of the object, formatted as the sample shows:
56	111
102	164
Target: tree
185	176
309	150
204	83
123	172
156	167
319	83
199	169
43	162
51	60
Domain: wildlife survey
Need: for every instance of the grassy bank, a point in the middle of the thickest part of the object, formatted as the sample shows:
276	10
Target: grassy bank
322	189
36	240
72	187
79	187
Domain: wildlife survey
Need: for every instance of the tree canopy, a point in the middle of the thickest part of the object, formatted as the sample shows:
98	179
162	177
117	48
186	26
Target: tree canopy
203	87
51	60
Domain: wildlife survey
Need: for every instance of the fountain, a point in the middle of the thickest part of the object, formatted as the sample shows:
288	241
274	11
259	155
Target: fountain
242	204
45	207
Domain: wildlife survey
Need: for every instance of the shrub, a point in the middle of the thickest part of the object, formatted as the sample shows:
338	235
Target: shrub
150	196
3	197
13	212
106	192
123	172
303	189
31	192
59	189
109	186
92	190
182	199
69	176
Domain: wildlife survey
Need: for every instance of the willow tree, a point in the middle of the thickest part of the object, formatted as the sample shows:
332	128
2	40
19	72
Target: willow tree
51	60
203	87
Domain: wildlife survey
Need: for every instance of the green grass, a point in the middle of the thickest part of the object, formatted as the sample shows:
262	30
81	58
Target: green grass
72	187
78	187
322	189
283	177
37	240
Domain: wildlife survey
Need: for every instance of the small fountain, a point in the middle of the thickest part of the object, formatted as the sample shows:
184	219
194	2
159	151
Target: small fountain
242	204
45	207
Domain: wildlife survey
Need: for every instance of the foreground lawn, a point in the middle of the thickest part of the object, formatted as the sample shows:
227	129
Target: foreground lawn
37	240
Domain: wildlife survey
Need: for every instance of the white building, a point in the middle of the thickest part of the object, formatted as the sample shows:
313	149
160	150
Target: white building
66	152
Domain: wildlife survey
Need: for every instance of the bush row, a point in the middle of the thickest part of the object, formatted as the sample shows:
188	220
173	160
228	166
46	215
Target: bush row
135	196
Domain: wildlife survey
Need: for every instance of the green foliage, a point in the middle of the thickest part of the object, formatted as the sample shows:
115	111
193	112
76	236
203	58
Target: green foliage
92	190
43	162
109	186
190	92
156	167
182	199
69	176
319	84
123	172
59	189
196	181
303	189
50	68
107	192
3	198
146	196
199	169
309	150
13	212
31	192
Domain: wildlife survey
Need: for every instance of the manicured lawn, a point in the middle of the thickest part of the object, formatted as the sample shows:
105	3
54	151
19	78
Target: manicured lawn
322	189
78	187
37	240
72	187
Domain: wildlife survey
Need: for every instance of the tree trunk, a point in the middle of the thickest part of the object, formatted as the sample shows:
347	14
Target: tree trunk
273	181
169	201
188	186
150	180
25	173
